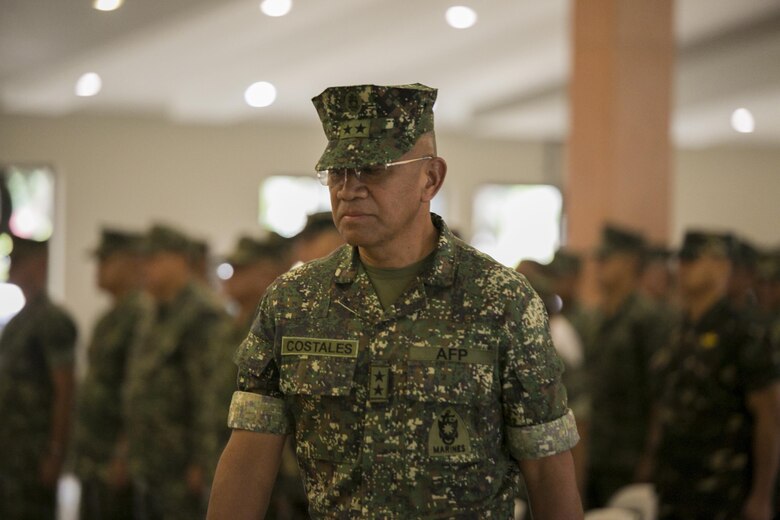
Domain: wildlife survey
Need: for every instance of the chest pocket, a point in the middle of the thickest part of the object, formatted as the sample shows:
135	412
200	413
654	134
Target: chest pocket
316	375
317	366
455	367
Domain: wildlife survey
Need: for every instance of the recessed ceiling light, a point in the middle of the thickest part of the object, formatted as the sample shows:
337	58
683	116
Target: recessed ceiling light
742	121
260	94
88	84
276	7
107	5
461	17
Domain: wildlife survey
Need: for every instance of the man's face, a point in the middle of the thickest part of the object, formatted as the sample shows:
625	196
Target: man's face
161	269
379	213
113	269
615	267
250	281
701	274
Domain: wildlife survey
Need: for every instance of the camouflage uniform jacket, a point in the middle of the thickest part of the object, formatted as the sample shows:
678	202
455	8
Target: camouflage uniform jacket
417	412
169	395
617	357
40	338
704	460
99	421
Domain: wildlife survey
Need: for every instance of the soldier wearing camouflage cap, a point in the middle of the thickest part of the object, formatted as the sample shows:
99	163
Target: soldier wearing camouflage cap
716	440
99	444
36	388
416	374
170	394
318	238
626	331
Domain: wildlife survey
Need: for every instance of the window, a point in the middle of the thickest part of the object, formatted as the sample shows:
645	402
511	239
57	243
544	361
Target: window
26	210
517	222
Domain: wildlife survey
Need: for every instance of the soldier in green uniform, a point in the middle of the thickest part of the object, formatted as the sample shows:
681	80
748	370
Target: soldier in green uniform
36	388
716	442
627	330
416	373
170	394
256	264
99	443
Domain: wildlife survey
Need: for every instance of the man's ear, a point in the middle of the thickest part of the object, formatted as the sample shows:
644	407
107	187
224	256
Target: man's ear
435	172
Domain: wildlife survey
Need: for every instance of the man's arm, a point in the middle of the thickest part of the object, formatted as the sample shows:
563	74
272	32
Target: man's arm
245	476
62	396
765	406
552	487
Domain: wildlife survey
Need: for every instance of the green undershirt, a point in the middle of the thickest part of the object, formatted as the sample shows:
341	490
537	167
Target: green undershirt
389	284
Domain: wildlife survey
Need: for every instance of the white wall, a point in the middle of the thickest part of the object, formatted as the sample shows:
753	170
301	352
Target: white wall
735	189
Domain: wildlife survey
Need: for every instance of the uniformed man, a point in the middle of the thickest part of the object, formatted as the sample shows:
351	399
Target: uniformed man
657	281
717	441
416	373
100	445
627	330
170	392
742	283
257	263
36	388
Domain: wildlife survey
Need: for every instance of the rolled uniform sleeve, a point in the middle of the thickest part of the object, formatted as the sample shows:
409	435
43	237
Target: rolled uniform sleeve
258	404
537	420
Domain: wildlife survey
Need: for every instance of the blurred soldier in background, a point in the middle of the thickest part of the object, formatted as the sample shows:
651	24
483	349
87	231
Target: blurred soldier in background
716	437
564	272
657	281
742	283
627	330
170	391
36	388
255	265
100	446
319	238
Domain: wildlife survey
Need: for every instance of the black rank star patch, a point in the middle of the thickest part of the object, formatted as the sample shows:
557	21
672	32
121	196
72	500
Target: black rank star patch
449	435
379	383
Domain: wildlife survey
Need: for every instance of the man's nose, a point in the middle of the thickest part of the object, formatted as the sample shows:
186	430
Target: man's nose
350	185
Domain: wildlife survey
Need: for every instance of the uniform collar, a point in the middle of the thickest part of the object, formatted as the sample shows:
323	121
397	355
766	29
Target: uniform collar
441	271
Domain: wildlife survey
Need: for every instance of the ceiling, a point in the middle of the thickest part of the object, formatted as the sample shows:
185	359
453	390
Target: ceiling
506	77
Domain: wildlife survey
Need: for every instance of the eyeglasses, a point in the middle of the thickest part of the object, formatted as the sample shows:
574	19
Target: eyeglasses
367	174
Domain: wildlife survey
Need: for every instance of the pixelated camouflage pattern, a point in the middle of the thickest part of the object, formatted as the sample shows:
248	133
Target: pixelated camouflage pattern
372	124
708	368
617	357
41	337
368	458
99	421
170	401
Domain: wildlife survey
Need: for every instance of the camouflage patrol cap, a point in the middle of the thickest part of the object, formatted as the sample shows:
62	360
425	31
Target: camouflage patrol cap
113	241
620	240
698	243
317	223
249	250
769	265
165	238
372	124
745	254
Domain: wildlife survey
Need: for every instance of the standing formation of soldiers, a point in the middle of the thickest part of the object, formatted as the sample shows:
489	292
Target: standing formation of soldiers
682	373
144	427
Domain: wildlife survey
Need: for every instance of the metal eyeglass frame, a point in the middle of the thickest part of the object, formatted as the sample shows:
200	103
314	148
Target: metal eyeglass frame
362	174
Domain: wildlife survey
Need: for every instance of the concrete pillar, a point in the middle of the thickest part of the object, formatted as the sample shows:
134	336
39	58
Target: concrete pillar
619	152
